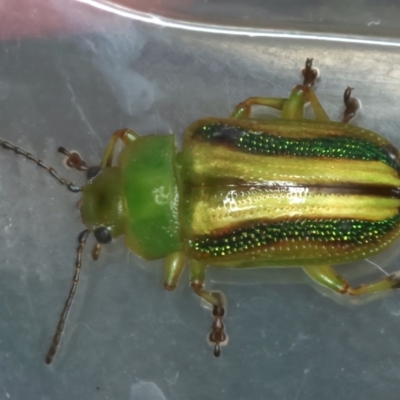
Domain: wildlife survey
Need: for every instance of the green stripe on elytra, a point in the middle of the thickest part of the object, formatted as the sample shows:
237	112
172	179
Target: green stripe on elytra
261	142
262	234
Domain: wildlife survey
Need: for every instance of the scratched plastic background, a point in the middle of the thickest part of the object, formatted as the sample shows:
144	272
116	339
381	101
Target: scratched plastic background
71	72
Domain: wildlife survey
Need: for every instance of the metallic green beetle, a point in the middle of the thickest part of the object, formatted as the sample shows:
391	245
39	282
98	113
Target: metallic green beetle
243	193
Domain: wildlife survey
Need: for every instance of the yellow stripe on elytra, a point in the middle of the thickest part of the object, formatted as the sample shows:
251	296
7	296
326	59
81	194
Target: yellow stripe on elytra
222	162
211	212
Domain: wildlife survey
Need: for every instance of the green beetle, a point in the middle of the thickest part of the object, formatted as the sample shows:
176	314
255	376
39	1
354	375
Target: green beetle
245	193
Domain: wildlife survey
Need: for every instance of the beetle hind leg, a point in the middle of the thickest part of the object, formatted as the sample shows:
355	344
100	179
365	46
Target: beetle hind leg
326	276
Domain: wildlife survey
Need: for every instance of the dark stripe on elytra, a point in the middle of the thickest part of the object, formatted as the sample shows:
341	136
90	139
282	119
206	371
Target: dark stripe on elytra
245	237
261	142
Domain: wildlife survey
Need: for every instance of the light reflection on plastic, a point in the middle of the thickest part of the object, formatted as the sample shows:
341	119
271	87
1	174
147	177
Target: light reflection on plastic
227	30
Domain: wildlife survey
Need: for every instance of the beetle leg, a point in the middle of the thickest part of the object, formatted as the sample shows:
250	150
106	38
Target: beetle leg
352	105
243	109
310	73
96	251
73	159
216	299
292	108
126	135
173	268
326	276
300	96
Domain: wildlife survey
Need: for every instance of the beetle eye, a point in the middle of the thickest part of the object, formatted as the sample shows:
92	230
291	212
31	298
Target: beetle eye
102	235
92	172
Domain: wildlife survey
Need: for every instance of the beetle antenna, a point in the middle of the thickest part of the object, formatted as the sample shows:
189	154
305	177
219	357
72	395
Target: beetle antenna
19	151
64	314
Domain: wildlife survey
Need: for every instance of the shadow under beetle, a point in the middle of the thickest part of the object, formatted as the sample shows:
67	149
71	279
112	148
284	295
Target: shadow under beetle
243	193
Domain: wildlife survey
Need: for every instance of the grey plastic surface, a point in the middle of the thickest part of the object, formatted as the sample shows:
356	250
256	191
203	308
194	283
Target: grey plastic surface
126	337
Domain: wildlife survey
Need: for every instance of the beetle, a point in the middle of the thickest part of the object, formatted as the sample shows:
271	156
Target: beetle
243	193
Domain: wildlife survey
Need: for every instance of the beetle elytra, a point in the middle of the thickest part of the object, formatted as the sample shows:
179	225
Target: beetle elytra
244	193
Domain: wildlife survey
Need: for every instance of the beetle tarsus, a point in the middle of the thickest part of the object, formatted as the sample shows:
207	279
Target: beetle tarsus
395	279
217	350
352	105
217	334
310	73
73	159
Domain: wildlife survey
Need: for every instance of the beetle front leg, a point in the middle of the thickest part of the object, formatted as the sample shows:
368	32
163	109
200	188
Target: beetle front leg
126	135
216	299
173	268
326	276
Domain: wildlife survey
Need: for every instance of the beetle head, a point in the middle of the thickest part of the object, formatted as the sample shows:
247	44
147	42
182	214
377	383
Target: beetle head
102	206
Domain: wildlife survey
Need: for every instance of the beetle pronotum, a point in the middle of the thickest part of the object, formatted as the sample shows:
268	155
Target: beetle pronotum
243	193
